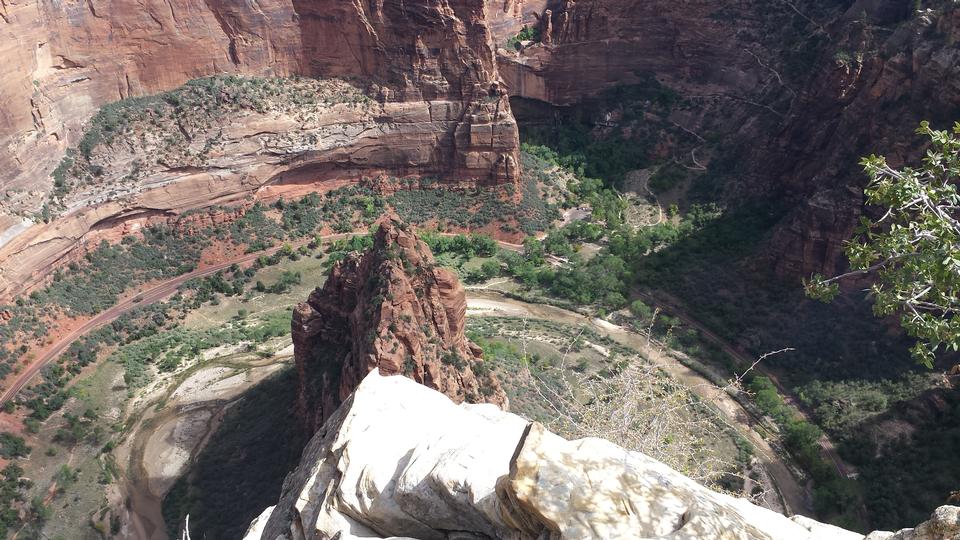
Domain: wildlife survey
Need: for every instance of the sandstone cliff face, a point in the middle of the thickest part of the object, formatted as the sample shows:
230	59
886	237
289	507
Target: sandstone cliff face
796	94
438	106
65	60
390	310
589	45
867	95
400	460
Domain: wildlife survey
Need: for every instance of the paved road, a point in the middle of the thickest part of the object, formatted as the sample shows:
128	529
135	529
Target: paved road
827	448
149	296
167	288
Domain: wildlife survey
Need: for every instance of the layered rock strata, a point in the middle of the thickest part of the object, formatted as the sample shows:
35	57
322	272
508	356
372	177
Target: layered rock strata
797	95
429	68
390	310
398	460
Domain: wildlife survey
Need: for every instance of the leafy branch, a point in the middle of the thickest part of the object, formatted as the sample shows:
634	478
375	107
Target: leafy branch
913	250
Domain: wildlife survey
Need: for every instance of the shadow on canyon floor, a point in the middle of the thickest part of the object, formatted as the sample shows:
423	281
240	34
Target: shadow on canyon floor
241	470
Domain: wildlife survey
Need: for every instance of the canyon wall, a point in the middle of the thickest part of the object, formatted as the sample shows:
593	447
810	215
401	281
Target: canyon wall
795	95
439	108
400	460
868	94
390	310
587	46
788	95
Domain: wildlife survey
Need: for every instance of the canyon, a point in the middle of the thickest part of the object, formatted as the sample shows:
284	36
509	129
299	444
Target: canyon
180	125
781	86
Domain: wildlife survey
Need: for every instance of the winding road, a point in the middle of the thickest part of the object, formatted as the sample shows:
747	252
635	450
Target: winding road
145	297
793	494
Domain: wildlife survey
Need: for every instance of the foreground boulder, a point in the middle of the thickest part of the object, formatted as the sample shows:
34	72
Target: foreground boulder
390	309
398	459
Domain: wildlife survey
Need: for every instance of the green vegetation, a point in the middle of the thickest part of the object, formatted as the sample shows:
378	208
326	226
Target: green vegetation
12	446
282	285
645	108
915	472
527	33
162	127
428	202
913	250
169	349
109	270
705	258
13	487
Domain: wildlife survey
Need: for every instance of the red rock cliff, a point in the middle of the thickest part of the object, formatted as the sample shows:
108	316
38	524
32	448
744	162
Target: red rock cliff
391	309
63	60
428	65
796	93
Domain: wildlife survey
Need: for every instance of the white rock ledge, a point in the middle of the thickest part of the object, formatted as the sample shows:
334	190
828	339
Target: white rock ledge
398	460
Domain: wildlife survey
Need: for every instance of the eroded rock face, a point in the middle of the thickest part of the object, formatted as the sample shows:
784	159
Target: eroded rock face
800	114
429	68
65	60
589	45
867	100
390	310
400	460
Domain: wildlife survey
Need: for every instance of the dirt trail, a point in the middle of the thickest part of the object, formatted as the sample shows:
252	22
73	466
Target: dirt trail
146	297
794	496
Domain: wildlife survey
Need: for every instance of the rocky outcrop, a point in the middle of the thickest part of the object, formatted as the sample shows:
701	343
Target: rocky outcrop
230	139
437	105
390	310
400	460
65	60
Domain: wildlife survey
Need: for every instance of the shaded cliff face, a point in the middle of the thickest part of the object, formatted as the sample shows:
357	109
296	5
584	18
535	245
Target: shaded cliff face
390	309
867	95
587	46
795	92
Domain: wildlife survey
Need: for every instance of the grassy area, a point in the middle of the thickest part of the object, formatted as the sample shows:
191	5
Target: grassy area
475	209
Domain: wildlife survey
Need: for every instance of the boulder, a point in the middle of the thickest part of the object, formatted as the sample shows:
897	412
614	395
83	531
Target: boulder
399	460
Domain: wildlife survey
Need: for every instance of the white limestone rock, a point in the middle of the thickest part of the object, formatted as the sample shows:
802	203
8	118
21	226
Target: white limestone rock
398	460
944	524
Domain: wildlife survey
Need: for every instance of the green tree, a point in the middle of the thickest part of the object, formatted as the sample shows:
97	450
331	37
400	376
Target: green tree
913	250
